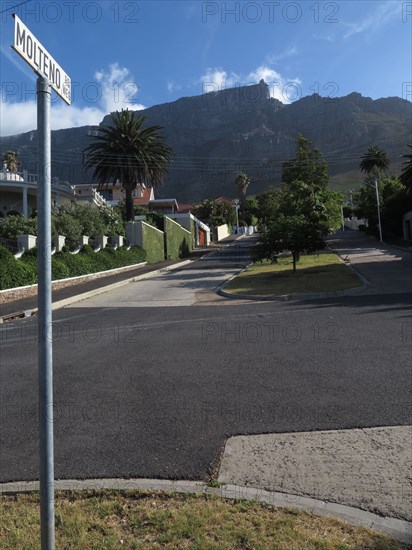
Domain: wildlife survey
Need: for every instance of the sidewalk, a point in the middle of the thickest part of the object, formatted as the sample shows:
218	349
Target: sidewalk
30	302
387	268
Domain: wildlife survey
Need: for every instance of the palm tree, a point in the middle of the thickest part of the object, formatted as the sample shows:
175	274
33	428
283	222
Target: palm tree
242	182
375	157
127	152
406	175
11	161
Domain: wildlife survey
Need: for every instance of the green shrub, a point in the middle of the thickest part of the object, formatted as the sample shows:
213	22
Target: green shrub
59	269
22	272
76	263
14	273
12	226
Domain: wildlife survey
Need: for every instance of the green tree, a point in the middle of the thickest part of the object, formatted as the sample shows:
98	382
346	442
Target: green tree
73	220
294	233
374	159
406	175
12	226
267	204
303	211
250	211
307	166
215	213
392	202
11	161
128	152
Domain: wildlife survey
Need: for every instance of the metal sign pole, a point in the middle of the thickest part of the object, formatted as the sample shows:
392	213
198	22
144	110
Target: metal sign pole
378	206
45	315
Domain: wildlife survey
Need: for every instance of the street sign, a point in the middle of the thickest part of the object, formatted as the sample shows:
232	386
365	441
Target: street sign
50	76
39	59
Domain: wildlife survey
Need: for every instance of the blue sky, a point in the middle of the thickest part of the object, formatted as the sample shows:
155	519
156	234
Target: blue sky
137	54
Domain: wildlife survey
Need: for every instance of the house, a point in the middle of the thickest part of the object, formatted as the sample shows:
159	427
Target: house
164	206
407	226
18	193
113	193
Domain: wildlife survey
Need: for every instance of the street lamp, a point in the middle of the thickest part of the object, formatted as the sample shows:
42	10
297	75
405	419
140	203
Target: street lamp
378	207
237	215
379	210
351	199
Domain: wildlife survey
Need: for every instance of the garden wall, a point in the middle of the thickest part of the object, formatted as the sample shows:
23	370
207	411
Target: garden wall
179	241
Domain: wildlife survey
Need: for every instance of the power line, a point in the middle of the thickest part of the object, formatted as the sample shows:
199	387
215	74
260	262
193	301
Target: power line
16	6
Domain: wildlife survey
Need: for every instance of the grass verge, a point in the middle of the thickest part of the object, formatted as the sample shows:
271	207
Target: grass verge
315	273
145	520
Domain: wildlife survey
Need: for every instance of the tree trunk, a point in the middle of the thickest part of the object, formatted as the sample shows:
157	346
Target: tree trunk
129	205
295	258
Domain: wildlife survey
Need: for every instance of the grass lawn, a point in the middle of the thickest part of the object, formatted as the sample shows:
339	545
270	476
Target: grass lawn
113	519
315	273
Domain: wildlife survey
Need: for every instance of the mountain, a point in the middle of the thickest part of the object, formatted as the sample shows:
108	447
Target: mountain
218	134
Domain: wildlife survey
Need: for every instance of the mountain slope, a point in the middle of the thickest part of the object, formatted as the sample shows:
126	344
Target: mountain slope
215	135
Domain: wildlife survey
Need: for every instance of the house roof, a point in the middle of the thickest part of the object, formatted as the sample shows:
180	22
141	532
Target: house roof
185	208
163	202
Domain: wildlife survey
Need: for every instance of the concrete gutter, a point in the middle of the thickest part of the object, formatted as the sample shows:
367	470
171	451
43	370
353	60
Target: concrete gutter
399	529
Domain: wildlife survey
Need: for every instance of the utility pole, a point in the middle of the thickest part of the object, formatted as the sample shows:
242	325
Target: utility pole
379	210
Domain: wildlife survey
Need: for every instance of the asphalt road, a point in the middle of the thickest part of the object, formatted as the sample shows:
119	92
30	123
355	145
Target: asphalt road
151	380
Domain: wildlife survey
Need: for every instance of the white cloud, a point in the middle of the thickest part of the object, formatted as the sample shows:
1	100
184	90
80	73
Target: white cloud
281	88
275	58
112	90
217	79
172	86
118	89
382	14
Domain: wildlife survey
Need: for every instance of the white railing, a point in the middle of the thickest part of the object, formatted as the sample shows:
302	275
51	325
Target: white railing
32	179
99	199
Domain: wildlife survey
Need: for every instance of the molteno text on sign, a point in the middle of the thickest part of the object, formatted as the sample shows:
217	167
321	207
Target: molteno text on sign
30	49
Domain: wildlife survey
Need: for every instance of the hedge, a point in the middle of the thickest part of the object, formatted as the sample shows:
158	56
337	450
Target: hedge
153	242
22	272
179	241
14	273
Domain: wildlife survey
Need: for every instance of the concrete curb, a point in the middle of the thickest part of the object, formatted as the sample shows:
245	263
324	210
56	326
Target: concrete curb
399	529
296	297
287	297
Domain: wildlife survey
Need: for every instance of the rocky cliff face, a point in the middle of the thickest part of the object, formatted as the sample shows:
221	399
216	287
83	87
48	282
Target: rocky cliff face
215	135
